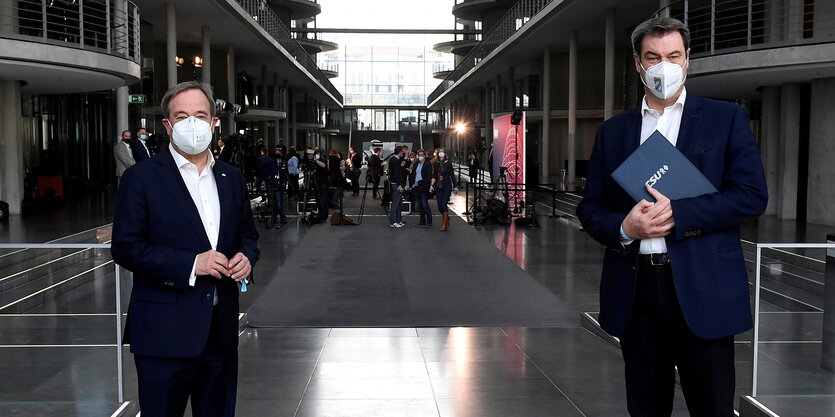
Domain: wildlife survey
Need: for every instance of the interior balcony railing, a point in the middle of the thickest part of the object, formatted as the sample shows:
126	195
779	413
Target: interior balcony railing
513	20
269	21
107	26
726	26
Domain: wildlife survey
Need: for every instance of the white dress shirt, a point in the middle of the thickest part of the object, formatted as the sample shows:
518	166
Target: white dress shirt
668	125
202	188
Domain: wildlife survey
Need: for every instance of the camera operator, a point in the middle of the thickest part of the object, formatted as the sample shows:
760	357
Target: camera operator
375	170
268	172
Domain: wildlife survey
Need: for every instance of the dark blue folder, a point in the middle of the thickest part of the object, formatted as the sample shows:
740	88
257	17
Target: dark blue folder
658	163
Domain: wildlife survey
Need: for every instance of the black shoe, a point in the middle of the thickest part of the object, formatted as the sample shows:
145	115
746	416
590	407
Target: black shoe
420	225
283	221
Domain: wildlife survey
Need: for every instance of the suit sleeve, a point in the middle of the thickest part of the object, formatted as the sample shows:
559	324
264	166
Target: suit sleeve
594	213
743	193
249	235
131	246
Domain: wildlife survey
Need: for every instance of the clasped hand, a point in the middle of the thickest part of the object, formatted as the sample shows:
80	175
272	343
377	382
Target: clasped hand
215	264
649	220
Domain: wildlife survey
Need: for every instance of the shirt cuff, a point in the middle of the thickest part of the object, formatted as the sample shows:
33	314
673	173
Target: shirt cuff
193	279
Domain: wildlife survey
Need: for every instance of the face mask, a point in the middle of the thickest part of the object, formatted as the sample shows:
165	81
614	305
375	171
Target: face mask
192	135
664	79
441	154
143	137
421	158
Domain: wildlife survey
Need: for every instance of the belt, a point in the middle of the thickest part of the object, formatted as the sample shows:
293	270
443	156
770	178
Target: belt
654	259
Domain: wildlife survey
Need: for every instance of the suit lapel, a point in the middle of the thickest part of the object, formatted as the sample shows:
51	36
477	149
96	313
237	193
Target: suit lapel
633	132
689	124
178	192
224	194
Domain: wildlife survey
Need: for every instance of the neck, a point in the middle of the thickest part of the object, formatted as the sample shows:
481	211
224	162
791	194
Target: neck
658	104
200	160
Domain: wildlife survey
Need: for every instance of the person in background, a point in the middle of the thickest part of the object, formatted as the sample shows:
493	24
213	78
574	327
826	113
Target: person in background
375	171
322	178
123	155
421	180
444	180
397	183
184	227
335	178
293	173
269	173
224	153
139	146
674	286
355	159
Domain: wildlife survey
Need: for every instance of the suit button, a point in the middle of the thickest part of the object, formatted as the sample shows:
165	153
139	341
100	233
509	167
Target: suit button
208	295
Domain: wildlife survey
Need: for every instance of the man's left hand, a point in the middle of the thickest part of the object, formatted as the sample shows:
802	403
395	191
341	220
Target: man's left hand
239	267
662	210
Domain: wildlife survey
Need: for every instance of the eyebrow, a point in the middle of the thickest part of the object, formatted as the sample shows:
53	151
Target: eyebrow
200	112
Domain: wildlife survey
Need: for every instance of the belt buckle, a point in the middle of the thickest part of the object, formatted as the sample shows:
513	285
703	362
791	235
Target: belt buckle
658	259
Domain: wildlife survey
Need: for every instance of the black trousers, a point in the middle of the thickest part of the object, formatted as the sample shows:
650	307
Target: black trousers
658	340
210	379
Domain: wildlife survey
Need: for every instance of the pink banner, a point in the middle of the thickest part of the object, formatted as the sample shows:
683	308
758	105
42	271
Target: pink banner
509	152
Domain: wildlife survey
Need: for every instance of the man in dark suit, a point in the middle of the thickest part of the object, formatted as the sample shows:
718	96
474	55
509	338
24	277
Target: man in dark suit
375	170
184	228
224	153
674	286
139	145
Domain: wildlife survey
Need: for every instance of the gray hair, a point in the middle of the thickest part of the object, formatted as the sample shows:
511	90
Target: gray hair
659	26
185	86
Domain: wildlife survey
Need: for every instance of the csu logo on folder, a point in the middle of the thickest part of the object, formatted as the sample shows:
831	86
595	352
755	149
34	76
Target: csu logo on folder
641	169
657	176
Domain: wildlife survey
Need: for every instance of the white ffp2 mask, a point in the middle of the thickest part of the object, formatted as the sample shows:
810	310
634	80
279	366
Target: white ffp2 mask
192	135
664	79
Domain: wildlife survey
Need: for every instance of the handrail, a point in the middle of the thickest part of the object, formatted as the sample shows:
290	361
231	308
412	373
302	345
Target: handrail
90	25
269	21
725	26
515	18
756	340
119	360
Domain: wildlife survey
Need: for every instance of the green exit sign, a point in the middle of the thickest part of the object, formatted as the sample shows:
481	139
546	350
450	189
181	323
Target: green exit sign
136	98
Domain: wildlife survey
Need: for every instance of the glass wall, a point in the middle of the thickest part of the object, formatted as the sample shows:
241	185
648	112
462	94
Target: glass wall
385	69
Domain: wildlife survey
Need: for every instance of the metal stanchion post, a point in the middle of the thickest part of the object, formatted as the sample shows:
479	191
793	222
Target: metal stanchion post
467	198
828	341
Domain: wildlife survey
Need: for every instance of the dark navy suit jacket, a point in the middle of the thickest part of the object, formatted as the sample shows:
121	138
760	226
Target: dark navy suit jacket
139	151
704	247
157	233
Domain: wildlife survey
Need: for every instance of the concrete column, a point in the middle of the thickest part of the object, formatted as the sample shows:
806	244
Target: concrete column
512	80
500	99
770	144
8	16
262	99
821	154
230	83
794	16
665	11
170	43
122	121
11	145
572	109
293	112
828	342
790	151
545	168
609	67
206	42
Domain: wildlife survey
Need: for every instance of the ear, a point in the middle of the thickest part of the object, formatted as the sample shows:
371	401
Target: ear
637	60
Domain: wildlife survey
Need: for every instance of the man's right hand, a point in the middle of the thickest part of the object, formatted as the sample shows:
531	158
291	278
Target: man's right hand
643	223
212	263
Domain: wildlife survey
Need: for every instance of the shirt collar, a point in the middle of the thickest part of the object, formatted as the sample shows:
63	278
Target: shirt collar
181	161
679	102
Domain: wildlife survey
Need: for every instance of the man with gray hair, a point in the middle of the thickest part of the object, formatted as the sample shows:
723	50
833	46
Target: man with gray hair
674	286
184	227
